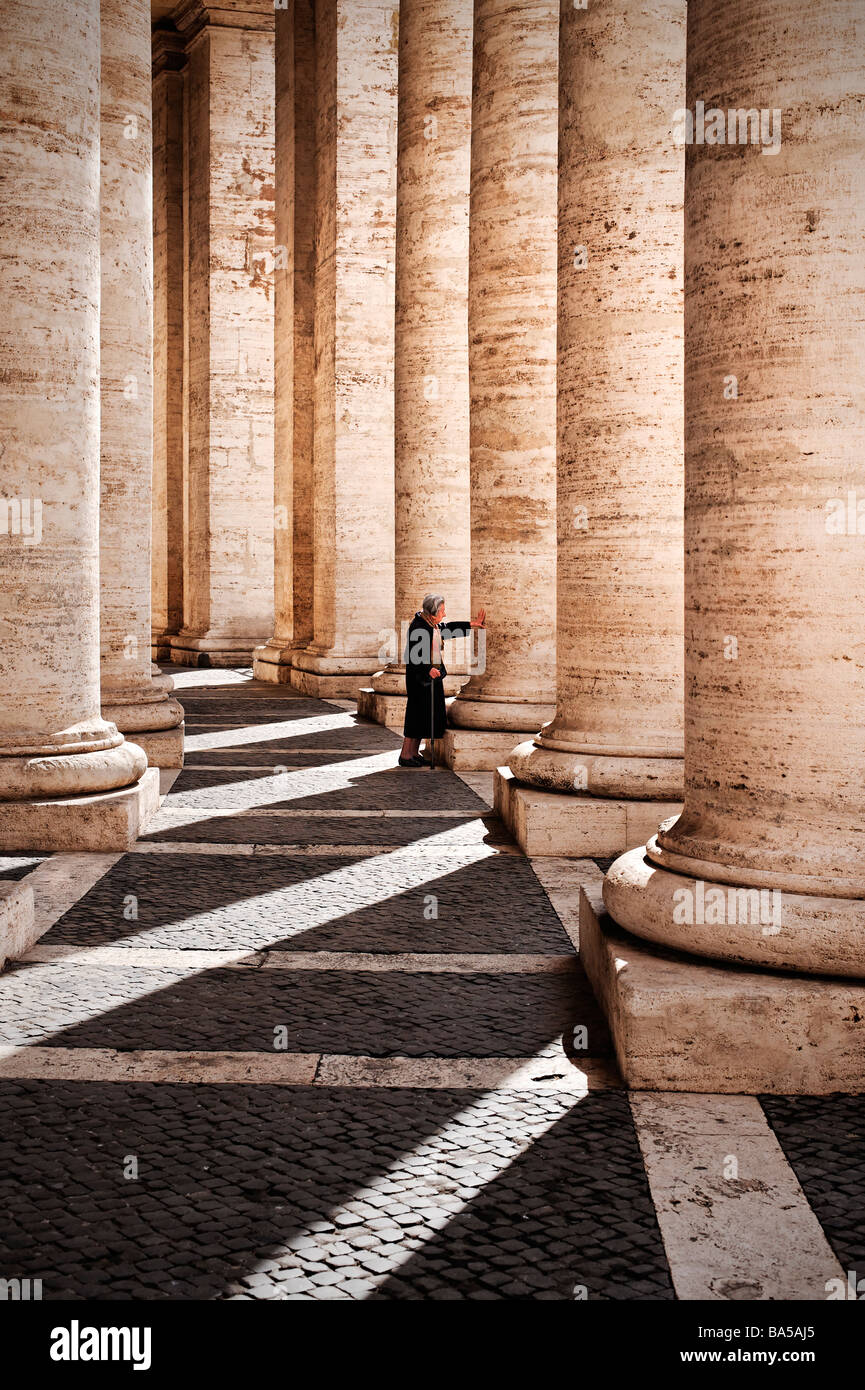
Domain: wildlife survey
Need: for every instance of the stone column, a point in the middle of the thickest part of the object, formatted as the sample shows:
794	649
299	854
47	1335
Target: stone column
512	378
168	330
766	863
356	79
228	577
294	349
615	747
431	392
54	742
138	702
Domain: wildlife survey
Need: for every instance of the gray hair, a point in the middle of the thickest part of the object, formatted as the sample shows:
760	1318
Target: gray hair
432	603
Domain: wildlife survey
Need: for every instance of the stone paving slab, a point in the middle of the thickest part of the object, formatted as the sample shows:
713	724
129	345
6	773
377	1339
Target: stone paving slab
73	1004
823	1138
262	828
276	1192
495	904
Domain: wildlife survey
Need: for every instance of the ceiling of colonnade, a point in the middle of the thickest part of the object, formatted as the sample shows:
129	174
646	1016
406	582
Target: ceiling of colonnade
160	9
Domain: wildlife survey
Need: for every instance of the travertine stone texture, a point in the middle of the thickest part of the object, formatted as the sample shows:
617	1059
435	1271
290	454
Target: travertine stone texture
543	823
431	386
168	328
228	575
18	928
294	348
618	724
356	111
775	588
474	750
131	696
512	363
53	740
89	821
679	1024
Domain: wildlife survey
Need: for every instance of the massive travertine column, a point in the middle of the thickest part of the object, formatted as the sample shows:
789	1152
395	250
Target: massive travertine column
54	742
228	575
512	375
431	392
168	368
294	347
766	863
616	742
356	80
138	702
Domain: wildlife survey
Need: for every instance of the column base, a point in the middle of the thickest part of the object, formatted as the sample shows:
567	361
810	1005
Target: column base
18	929
498	716
272	662
381	708
633	776
748	923
213	651
680	1024
328	686
102	821
571	826
475	750
164	747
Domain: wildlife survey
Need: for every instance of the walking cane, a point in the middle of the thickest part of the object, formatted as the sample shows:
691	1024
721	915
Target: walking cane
432	724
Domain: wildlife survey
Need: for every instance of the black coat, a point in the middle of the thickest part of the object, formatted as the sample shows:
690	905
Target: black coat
425	710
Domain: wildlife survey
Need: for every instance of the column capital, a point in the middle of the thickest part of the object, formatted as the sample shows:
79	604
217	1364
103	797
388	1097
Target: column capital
191	16
169	51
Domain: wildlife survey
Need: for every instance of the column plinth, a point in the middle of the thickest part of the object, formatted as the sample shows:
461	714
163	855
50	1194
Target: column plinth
617	730
55	747
766	863
512	373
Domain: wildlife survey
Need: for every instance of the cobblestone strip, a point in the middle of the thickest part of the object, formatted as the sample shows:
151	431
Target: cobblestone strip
735	1222
823	1138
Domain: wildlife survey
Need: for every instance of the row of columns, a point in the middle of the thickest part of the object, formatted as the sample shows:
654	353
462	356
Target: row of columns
683	277
76	432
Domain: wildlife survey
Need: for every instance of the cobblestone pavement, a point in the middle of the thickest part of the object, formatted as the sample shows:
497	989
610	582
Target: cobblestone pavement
449	1122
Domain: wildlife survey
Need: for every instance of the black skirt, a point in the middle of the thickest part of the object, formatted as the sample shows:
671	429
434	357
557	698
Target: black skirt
425	711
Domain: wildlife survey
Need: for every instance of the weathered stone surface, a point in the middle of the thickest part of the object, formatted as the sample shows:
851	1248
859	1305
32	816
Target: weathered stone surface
544	823
775	742
168	330
620	332
18	929
431	388
469	750
512	364
228	575
356	81
294	346
682	1025
49	421
132	697
98	821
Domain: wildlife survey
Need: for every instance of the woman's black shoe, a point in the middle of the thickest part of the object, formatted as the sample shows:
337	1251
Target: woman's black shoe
408	762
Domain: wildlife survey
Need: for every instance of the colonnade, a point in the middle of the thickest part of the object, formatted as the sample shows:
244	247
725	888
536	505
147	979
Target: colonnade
470	297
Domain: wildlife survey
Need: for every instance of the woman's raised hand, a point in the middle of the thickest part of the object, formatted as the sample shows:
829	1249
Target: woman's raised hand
480	620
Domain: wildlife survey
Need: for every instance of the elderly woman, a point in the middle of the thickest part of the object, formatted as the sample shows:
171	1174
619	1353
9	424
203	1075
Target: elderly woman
425	713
